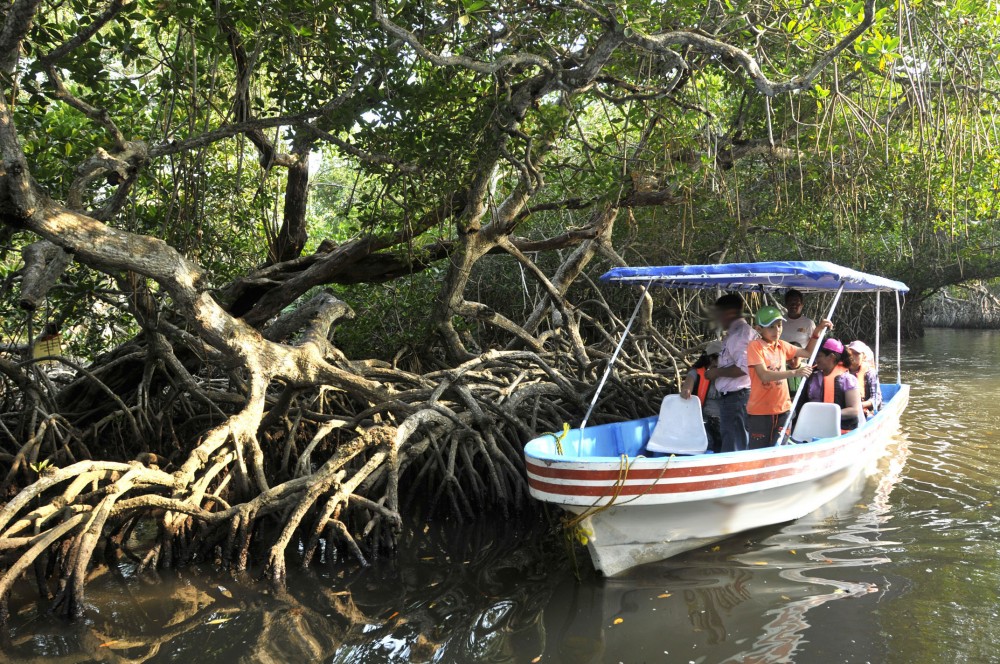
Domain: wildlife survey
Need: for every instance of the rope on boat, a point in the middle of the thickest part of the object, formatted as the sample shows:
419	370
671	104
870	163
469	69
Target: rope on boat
559	438
624	466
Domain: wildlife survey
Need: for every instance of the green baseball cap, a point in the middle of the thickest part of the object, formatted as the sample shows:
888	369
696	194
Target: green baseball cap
768	316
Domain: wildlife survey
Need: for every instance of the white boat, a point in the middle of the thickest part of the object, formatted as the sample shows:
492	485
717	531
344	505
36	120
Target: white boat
636	508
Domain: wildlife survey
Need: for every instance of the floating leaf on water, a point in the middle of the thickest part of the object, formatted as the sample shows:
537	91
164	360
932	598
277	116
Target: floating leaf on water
394	614
107	644
786	598
759	562
716	548
839	591
663	596
536	660
793	552
218	621
619	621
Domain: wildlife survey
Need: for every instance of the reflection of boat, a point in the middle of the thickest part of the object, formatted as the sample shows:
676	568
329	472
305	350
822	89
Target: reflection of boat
731	605
636	510
784	634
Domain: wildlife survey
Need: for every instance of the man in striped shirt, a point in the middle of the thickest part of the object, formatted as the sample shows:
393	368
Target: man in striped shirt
731	376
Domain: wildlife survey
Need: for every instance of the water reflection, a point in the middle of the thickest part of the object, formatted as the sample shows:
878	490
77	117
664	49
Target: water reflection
783	635
902	570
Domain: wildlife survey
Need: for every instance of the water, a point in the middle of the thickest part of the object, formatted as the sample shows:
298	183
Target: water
904	569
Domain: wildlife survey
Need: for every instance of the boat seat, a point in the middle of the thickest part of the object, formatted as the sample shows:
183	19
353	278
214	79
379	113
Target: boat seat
817	420
680	429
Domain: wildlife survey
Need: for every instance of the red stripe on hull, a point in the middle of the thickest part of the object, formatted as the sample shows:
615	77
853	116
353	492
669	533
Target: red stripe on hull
555	471
680	487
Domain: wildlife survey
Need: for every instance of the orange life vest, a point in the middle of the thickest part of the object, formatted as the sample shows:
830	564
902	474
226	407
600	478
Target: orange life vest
701	385
830	384
833	394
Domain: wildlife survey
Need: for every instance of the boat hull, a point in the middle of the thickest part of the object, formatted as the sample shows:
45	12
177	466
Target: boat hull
639	510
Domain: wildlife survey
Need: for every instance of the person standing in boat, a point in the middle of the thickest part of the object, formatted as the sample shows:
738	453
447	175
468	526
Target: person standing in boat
696	382
768	358
730	377
799	328
833	382
863	368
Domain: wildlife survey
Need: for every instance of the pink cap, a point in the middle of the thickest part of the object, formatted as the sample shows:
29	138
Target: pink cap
833	346
862	349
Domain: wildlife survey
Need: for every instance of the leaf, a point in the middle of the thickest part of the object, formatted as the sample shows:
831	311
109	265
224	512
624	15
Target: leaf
619	621
716	548
786	598
793	552
218	621
107	644
759	562
663	595
536	660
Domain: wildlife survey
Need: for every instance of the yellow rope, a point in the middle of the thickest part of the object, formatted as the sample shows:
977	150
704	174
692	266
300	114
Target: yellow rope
559	438
624	466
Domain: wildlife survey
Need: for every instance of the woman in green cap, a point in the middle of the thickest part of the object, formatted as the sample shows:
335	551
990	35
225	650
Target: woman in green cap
767	357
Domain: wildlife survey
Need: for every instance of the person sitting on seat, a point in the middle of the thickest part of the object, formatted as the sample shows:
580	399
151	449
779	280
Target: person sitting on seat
834	383
863	368
696	382
767	358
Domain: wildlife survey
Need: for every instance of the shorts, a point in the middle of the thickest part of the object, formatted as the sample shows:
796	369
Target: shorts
765	429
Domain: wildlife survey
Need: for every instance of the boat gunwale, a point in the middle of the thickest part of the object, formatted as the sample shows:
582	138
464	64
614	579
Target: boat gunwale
710	459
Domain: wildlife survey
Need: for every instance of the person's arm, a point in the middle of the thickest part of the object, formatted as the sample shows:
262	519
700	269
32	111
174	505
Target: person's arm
732	371
768	376
688	385
853	399
813	338
870	387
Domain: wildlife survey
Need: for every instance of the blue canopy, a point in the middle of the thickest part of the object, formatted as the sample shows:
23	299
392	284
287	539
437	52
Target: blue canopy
802	275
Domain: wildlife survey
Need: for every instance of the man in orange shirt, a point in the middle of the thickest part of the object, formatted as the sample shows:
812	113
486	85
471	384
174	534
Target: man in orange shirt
769	402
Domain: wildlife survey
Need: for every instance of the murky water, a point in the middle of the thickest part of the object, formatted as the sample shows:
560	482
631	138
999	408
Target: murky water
903	569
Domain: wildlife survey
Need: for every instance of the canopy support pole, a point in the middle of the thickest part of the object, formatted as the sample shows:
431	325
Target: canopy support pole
614	356
899	341
785	430
878	326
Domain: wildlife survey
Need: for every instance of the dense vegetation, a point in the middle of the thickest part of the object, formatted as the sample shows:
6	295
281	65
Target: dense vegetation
197	193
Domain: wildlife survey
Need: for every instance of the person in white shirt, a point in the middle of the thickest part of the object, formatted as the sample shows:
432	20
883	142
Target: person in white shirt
730	376
798	328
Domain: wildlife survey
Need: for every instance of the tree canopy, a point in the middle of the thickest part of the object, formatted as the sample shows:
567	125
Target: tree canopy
196	192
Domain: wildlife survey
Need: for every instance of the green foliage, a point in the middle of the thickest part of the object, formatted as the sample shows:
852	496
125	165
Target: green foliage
887	161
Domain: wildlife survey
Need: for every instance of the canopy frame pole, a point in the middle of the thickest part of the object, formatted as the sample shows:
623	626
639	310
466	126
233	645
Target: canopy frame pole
785	430
878	326
899	341
614	356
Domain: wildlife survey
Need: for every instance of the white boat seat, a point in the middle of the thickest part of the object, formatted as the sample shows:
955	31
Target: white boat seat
817	420
680	428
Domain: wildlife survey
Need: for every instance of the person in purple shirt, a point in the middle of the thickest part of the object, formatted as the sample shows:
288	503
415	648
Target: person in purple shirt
730	376
832	382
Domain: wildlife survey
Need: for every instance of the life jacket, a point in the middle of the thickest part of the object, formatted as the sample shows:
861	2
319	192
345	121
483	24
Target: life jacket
862	376
834	393
701	385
